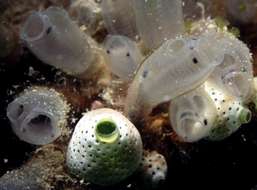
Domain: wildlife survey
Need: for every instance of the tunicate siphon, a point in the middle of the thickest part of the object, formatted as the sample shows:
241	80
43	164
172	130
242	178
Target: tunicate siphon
56	40
231	111
193	115
38	115
234	71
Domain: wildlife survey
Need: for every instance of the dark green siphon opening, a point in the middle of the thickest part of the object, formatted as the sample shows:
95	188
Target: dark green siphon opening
106	131
105	127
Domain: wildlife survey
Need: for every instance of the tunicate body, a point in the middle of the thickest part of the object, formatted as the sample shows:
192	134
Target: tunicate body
124	56
234	72
38	115
153	169
193	115
56	40
105	148
158	21
119	17
177	67
231	112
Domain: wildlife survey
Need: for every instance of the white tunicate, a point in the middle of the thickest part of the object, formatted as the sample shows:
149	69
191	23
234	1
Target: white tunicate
192	115
158	21
124	56
242	11
153	170
235	71
37	115
230	110
56	40
177	67
105	148
119	17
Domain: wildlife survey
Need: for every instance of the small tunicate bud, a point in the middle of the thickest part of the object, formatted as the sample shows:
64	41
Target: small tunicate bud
56	40
38	115
124	56
153	169
105	148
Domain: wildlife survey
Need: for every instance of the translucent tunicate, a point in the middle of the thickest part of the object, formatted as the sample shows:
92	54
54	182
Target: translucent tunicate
124	56
37	115
158	21
234	72
119	17
193	115
177	67
55	39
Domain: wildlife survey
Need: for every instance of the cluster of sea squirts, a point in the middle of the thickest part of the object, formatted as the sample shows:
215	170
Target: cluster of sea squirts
204	73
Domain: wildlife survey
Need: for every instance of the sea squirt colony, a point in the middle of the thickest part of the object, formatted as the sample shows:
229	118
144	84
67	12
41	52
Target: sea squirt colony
205	75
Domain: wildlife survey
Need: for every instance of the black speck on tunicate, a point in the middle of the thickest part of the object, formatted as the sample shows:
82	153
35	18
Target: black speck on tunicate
20	110
195	61
49	29
128	54
145	73
108	52
205	121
